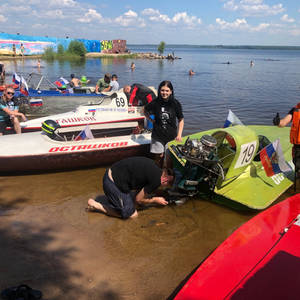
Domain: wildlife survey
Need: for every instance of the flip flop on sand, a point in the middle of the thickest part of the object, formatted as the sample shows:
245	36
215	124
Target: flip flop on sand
21	292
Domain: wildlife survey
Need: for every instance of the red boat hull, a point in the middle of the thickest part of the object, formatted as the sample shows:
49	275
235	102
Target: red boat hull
260	260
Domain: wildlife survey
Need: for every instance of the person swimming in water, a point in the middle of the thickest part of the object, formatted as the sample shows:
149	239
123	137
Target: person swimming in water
191	72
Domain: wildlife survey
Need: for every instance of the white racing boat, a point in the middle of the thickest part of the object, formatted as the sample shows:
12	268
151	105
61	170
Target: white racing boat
37	151
108	109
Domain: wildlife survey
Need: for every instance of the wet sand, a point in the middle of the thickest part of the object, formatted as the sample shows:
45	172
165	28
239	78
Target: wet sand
50	242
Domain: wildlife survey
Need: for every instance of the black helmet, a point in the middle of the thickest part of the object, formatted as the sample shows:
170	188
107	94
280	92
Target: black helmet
49	127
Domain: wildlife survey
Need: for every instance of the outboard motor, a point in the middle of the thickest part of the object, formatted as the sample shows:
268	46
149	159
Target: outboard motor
202	165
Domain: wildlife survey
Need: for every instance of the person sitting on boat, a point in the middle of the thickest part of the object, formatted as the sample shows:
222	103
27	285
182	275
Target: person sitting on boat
114	84
294	117
75	82
138	94
9	111
129	182
84	81
166	110
103	84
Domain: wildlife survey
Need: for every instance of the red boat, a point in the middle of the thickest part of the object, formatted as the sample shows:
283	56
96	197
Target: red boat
260	260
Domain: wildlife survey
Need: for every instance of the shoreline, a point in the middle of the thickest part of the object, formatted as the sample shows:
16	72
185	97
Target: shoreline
140	55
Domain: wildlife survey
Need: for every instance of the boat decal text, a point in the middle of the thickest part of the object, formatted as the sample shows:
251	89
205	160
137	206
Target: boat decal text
108	109
246	155
277	178
120	102
88	147
75	120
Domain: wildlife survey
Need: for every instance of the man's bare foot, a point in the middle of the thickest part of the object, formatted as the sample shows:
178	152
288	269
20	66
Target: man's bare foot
134	215
95	206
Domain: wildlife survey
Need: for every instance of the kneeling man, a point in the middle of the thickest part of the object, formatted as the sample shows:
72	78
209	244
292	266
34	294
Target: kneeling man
129	182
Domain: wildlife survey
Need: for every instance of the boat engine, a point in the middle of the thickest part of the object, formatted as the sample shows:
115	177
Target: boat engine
202	165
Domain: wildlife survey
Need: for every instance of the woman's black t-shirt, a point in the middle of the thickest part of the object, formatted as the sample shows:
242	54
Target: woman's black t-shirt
165	124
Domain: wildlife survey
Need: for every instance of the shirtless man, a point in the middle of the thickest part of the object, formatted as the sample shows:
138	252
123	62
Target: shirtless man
75	82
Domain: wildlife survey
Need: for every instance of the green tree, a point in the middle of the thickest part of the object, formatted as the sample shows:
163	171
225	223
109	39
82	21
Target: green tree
161	47
76	48
49	53
60	50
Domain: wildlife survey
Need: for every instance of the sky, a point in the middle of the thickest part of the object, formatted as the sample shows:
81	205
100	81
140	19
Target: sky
194	22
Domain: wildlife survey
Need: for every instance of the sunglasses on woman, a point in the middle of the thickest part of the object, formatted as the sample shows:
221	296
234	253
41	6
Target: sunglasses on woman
10	93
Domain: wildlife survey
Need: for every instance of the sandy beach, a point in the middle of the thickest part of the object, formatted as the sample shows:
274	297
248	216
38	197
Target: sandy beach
50	242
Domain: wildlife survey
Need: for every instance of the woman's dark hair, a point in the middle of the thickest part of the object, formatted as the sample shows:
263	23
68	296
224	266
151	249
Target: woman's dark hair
169	85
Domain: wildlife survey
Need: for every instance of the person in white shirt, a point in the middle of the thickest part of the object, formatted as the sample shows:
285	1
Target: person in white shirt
114	83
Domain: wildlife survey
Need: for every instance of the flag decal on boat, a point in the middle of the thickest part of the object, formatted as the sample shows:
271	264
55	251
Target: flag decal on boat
273	160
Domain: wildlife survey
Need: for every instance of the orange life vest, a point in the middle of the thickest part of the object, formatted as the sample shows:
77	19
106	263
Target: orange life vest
295	129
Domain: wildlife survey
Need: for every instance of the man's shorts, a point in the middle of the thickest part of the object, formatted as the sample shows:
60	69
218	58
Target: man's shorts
157	147
4	124
122	203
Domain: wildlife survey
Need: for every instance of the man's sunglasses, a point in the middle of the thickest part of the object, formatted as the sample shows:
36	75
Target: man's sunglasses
10	93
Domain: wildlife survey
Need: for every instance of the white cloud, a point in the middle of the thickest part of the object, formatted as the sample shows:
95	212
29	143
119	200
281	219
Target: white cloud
253	7
237	24
253	2
295	32
3	19
150	12
90	16
180	17
185	18
160	18
130	18
61	3
131	14
285	18
260	27
55	14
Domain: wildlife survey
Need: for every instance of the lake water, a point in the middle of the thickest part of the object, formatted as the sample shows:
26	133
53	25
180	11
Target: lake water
254	94
49	240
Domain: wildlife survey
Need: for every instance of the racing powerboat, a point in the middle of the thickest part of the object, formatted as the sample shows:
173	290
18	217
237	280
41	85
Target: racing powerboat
70	148
260	260
225	165
108	109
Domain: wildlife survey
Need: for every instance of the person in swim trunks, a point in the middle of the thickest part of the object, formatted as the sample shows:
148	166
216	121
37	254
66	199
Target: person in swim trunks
129	182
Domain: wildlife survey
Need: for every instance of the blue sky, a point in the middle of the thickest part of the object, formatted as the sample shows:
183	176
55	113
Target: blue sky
198	22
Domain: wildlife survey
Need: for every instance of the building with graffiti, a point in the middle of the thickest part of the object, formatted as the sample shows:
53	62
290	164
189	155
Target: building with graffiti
10	44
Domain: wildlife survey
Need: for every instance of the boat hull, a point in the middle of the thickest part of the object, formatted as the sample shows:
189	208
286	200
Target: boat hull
69	161
36	152
260	260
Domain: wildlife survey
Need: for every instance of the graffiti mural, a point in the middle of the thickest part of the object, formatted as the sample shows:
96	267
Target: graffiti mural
10	44
106	46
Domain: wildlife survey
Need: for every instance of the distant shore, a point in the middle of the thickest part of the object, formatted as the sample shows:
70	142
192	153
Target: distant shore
148	55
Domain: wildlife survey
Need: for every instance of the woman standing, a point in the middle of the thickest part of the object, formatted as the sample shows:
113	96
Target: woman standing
166	110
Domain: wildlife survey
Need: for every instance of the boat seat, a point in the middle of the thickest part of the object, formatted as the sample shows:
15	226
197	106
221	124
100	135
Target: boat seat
226	155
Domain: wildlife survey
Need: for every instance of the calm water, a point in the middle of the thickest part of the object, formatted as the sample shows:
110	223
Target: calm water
254	94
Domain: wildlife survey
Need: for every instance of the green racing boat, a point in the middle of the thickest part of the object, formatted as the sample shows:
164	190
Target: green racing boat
225	165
